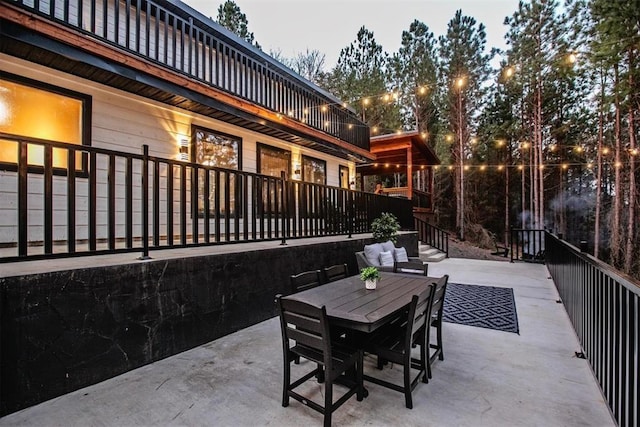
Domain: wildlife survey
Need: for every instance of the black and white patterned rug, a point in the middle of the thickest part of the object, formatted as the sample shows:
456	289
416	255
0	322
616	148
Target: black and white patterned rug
481	306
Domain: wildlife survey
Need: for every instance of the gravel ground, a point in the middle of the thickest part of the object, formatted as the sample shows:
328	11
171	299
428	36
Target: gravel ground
458	249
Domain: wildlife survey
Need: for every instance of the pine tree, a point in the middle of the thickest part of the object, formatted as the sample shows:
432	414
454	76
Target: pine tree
464	70
231	17
359	76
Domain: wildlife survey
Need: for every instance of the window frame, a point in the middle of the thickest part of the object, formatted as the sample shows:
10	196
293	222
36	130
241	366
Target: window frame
86	114
261	146
343	169
194	143
236	174
310	158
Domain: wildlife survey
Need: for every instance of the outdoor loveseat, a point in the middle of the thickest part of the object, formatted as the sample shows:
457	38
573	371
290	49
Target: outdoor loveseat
384	256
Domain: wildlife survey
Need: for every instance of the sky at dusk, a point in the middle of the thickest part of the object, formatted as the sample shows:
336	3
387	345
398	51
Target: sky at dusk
292	26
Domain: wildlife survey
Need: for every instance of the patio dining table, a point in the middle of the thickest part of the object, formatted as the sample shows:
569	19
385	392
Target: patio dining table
350	305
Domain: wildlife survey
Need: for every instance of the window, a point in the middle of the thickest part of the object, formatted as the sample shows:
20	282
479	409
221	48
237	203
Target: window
211	148
314	170
344	177
216	149
273	161
38	110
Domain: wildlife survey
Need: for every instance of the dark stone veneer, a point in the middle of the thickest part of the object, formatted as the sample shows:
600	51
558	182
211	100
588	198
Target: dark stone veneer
61	331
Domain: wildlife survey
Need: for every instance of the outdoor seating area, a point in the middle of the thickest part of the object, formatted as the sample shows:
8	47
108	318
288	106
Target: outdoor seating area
488	377
385	257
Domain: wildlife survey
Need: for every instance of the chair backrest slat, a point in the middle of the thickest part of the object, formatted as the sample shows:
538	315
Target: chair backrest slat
305	324
335	272
438	297
305	280
420	311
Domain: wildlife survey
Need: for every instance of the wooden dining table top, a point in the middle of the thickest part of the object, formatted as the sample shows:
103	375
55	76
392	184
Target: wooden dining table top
350	305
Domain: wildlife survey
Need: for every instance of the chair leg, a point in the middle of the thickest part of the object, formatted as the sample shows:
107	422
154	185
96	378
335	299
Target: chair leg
328	401
359	377
286	381
320	374
407	383
424	360
440	348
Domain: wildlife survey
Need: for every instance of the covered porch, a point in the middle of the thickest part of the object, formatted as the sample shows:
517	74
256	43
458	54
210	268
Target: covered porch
487	377
404	164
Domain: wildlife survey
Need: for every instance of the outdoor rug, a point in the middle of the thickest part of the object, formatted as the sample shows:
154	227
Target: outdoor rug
482	306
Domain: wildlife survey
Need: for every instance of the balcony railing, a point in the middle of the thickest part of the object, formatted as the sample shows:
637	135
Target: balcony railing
432	236
604	308
63	200
173	37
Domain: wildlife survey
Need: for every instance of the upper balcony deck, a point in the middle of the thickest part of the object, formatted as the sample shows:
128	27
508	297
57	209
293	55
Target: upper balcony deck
167	39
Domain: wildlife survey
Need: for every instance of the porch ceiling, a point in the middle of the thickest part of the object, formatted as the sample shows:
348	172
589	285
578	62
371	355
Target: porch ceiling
392	150
21	42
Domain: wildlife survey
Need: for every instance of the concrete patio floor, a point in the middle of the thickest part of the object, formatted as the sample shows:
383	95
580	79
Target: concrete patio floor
488	377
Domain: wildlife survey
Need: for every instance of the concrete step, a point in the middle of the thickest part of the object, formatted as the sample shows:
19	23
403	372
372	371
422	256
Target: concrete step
435	258
430	254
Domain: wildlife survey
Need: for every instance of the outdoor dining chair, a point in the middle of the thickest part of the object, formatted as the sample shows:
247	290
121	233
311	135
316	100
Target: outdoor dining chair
437	310
307	327
394	345
335	272
305	280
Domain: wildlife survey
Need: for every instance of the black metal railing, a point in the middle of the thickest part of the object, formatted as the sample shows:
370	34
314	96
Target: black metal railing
604	307
70	200
422	199
527	245
174	36
432	235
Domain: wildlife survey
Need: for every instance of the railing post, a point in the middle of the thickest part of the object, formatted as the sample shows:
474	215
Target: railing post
285	207
145	203
351	213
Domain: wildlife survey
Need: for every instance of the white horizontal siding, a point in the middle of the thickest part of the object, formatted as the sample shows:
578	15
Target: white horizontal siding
124	122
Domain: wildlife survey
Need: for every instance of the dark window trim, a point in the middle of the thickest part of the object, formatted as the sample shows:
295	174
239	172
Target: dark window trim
87	102
304	156
344	168
192	144
262	146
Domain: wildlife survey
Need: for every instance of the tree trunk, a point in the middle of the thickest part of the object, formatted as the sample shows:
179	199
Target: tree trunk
616	239
596	237
629	254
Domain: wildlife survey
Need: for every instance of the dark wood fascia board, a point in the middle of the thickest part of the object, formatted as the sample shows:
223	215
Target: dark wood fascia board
36	31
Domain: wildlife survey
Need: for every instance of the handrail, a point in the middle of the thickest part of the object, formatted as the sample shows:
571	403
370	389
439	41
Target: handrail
78	200
432	235
604	308
527	245
176	37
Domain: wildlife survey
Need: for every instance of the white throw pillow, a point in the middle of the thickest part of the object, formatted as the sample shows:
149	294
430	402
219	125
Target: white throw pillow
386	259
400	254
388	246
372	253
